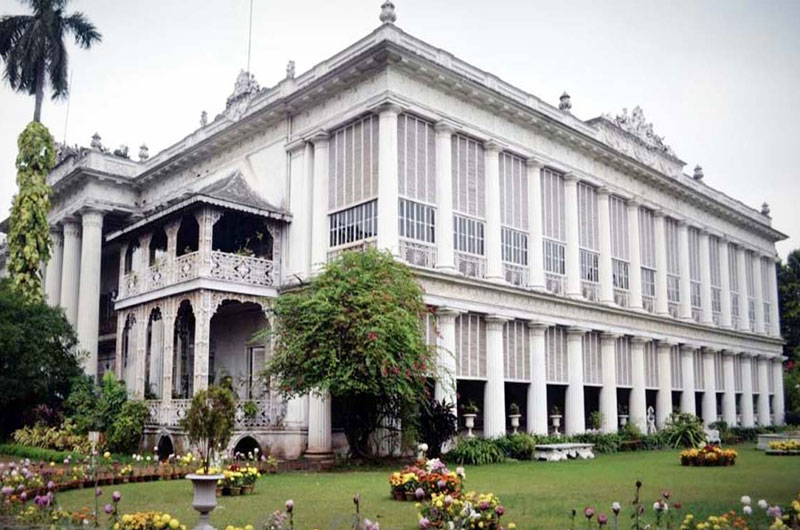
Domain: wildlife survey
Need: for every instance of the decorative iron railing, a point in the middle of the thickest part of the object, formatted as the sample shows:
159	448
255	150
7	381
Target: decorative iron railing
418	253
268	412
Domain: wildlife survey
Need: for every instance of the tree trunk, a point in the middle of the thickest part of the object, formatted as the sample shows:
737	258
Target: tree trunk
37	111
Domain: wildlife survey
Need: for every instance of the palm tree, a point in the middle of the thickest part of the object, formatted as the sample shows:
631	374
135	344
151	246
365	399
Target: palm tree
32	47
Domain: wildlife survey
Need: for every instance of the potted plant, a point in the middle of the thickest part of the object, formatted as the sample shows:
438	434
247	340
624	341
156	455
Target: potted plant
470	412
208	424
623	416
514	416
250	409
555	417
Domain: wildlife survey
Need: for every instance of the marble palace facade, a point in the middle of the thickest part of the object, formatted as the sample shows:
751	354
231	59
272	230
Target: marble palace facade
572	264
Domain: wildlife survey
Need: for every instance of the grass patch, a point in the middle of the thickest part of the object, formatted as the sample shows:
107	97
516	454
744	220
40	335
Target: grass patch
535	494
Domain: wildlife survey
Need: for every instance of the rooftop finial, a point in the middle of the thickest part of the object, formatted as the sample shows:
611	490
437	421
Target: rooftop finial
388	15
698	172
290	70
96	142
144	152
565	102
765	209
203	119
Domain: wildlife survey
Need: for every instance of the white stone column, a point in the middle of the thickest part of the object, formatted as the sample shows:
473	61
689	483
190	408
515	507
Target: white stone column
70	269
729	393
388	223
709	404
536	246
52	282
445	257
494	396
447	369
537	390
319	211
660	243
758	294
169	313
571	219
763	363
706	316
156	368
494	262
635	271
301	175
637	403
744	293
574	410
688	401
604	239
121	286
202	335
139	352
319	425
775	316
664	399
685	307
725	280
89	297
746	399
608	392
778	400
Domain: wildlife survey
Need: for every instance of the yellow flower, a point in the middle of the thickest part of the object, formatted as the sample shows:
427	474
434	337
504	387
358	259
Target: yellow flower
248	527
174	524
512	526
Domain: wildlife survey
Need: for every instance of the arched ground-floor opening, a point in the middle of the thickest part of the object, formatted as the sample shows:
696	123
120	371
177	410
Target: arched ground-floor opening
164	448
246	447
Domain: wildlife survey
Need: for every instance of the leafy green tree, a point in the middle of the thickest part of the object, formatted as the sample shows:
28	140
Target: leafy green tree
32	47
94	408
29	231
789	303
210	419
38	358
355	331
126	432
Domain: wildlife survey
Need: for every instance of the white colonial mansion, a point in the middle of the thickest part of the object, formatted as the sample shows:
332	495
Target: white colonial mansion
571	264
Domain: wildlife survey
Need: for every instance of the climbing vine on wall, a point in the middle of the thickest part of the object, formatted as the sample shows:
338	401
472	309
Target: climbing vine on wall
29	231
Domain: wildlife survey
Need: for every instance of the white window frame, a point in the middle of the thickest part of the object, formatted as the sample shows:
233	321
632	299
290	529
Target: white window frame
554	235
716	279
695	288
733	278
673	265
647	249
351	226
588	240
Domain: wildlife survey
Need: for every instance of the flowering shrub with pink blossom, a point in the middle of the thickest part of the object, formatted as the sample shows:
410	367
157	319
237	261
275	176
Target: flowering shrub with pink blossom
423	479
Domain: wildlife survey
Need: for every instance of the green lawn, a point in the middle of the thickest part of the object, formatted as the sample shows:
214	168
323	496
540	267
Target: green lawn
536	494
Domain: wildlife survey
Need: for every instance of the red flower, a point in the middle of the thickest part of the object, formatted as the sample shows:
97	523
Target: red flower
372	335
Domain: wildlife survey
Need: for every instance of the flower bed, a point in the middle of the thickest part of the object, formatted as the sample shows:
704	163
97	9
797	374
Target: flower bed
424	478
789	447
470	511
709	455
239	480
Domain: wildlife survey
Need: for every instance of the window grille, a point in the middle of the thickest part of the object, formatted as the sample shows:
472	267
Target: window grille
716	278
471	346
353	163
675	367
733	273
647	249
592	359
694	272
516	351
514	218
623	358
588	240
749	277
469	243
673	266
353	224
417	230
699	373
719	372
650	365
514	246
620	249
553	229
556	355
416	159
737	373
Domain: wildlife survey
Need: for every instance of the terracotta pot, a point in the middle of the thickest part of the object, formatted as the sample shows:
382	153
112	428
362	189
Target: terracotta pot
399	495
246	490
235	490
410	496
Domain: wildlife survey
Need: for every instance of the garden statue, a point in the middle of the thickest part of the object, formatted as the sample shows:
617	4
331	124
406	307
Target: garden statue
651	420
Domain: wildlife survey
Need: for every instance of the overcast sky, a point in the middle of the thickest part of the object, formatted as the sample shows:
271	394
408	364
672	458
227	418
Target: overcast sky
717	78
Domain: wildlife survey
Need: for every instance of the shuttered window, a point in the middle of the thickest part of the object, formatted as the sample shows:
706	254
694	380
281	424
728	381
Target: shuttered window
647	248
416	159
588	240
620	248
556	355
716	278
514	209
767	269
699	373
737	373
673	266
623	358
751	286
719	372
733	273
353	169
469	205
650	365
516	351
592	359
553	229
471	346
675	367
754	373
694	272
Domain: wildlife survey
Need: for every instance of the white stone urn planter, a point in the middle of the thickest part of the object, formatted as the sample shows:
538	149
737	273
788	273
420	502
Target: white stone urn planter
514	421
205	497
469	423
623	420
556	419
